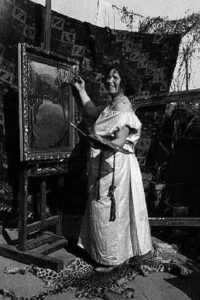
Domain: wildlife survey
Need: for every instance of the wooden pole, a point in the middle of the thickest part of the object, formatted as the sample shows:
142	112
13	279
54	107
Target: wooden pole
47	26
186	50
186	71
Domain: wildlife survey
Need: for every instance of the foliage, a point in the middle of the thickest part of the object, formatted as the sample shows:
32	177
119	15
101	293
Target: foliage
165	26
188	27
160	25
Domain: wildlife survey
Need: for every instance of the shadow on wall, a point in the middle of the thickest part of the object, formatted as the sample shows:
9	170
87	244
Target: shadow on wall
75	191
11	140
75	182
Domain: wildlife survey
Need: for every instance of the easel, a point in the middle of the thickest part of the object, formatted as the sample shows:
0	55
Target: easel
34	244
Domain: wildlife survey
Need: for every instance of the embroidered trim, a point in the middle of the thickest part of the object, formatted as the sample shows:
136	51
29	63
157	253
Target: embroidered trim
109	112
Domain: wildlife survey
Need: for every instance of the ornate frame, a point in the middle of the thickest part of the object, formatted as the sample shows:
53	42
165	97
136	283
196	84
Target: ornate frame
26	53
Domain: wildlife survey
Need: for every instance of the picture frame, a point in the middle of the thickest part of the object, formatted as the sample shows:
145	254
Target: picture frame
46	104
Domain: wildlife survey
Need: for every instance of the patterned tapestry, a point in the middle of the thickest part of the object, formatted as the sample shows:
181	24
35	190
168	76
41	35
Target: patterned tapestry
148	60
20	21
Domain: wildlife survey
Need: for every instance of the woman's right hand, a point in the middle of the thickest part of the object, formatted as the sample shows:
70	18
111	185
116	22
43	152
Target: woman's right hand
79	83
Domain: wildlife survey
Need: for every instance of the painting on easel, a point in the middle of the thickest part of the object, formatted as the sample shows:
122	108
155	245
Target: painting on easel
46	104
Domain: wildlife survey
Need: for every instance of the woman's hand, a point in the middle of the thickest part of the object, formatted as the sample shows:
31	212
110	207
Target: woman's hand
79	83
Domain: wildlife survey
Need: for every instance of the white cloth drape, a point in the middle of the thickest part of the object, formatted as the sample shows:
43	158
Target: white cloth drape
112	243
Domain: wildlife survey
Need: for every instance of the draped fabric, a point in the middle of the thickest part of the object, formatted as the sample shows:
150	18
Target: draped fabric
112	243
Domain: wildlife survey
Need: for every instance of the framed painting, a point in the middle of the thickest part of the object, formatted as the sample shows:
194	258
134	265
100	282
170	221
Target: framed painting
46	104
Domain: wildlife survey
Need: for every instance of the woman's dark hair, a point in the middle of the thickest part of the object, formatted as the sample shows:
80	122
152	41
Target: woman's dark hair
126	78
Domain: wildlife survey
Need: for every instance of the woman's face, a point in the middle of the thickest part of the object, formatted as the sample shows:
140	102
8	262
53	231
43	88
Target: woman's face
113	82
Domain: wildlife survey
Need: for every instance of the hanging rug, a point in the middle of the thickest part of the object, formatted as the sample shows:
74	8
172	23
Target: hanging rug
80	277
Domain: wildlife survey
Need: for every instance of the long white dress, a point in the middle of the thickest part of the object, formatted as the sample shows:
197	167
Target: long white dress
113	242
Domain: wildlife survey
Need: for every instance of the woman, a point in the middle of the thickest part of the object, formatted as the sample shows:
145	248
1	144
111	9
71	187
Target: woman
115	225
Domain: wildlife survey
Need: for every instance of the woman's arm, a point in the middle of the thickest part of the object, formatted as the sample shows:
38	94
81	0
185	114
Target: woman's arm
89	107
125	106
121	136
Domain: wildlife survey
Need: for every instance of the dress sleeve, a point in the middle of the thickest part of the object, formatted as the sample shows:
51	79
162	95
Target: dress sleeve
131	120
